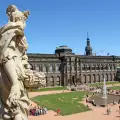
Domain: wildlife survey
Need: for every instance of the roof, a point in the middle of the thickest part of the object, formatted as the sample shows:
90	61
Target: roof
63	47
41	55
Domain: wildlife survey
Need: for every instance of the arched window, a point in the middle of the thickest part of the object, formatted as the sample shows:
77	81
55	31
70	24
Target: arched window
58	81
44	68
37	68
87	67
50	68
57	68
51	81
93	67
97	67
102	67
110	67
114	67
83	67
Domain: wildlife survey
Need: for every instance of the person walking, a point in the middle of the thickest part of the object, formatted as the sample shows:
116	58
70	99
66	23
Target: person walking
58	112
119	109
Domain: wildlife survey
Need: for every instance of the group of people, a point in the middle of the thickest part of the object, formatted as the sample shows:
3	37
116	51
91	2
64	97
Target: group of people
90	101
36	111
117	92
86	87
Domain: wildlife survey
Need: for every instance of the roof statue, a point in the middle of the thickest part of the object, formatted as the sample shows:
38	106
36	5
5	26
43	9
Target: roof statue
16	73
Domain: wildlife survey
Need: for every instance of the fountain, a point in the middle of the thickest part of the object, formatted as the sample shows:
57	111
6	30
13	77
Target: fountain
103	99
104	91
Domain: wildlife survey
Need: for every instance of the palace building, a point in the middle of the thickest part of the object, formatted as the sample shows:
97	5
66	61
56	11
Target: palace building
66	68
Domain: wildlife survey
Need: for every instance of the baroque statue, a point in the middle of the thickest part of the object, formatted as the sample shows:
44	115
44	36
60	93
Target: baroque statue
15	71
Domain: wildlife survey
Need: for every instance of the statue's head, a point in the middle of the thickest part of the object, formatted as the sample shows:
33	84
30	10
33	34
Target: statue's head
26	14
10	9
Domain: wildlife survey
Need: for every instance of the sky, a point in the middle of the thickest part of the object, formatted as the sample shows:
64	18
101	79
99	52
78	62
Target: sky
66	22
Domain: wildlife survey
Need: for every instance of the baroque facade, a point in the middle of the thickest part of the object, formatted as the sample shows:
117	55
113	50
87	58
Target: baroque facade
66	68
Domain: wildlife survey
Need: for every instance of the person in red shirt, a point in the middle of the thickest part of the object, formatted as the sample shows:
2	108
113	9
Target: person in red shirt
58	112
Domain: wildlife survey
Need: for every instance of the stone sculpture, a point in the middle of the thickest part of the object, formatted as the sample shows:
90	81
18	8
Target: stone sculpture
15	70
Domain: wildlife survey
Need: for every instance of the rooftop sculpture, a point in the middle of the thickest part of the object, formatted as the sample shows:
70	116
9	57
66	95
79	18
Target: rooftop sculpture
15	70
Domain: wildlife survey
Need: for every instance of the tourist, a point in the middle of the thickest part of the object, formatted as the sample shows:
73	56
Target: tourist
119	109
107	111
119	101
41	112
36	112
58	112
45	110
93	94
87	95
114	103
87	106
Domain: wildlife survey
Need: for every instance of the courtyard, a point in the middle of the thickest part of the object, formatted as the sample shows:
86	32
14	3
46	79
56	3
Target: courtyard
96	113
68	103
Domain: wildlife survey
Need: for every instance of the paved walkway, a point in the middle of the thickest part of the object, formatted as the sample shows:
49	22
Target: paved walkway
34	94
96	114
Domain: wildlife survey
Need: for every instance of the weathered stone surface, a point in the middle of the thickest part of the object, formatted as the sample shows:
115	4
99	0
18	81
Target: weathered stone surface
15	70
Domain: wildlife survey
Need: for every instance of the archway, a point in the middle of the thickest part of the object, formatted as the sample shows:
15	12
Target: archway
89	79
110	77
73	80
94	79
106	77
58	81
113	76
102	78
84	79
98	77
51	81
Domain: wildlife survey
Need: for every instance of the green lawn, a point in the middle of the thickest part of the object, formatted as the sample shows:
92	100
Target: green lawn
115	88
69	103
50	89
101	83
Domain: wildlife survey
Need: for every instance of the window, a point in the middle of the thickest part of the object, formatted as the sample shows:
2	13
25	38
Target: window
50	68
83	67
44	68
93	67
57	68
37	68
110	67
88	67
102	67
105	67
97	67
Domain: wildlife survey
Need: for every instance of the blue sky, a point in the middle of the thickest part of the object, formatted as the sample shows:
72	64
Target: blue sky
66	22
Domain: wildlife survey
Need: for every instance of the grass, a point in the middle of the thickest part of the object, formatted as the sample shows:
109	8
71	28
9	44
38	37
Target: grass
68	103
101	83
115	88
50	89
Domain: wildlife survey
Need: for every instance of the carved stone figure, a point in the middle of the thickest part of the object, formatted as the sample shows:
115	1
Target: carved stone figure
14	67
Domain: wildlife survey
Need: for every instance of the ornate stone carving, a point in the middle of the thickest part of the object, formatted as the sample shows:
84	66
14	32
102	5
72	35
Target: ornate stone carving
15	70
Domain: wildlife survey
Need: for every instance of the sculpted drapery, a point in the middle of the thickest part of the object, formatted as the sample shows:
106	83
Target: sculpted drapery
14	67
